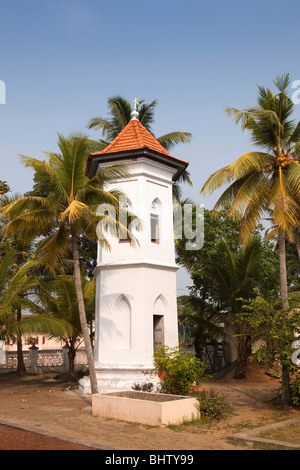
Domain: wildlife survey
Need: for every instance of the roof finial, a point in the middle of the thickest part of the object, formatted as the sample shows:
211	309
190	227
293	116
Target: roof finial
134	113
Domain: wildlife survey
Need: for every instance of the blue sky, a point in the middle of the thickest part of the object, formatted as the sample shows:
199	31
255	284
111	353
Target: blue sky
62	59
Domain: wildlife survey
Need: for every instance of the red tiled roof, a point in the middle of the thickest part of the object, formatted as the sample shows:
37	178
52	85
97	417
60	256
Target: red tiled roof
133	137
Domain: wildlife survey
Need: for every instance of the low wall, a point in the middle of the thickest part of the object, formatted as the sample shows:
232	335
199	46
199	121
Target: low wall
38	361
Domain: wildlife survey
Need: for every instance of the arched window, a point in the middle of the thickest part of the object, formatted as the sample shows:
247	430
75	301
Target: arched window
155	220
124	219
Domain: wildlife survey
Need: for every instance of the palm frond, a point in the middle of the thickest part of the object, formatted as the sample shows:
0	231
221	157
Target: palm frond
240	168
285	208
244	117
174	138
293	179
54	247
37	325
75	211
146	113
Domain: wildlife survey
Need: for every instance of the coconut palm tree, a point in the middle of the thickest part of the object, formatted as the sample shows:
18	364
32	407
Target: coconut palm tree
119	117
267	179
4	188
18	291
235	277
66	213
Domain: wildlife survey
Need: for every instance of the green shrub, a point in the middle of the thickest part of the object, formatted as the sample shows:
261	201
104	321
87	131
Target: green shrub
295	390
178	371
212	405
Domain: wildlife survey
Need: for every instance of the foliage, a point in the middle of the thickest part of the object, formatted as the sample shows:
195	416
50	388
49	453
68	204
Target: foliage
221	236
273	328
66	212
119	116
59	298
202	320
178	371
295	389
200	311
4	188
213	406
223	271
267	180
71	200
293	266
18	290
217	226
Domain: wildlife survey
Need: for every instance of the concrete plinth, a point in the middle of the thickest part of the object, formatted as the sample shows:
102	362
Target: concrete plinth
116	380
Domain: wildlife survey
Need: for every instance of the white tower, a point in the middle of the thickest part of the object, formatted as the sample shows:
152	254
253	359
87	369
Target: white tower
136	305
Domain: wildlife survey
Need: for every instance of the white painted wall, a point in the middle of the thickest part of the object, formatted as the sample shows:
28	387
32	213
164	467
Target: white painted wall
130	279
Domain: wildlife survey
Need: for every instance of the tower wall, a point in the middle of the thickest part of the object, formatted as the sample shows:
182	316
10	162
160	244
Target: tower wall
136	301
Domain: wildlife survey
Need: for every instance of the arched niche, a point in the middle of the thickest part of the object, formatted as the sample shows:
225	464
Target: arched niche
122	323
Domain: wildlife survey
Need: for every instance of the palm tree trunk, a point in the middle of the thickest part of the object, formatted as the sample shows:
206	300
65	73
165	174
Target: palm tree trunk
298	251
282	268
21	371
244	351
71	356
82	314
286	393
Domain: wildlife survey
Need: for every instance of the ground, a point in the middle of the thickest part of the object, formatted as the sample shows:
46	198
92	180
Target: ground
47	404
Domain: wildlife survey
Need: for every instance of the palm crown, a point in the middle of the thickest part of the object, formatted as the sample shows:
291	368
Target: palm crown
119	117
267	180
71	199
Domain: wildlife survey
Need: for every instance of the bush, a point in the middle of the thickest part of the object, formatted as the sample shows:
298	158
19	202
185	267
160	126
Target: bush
295	390
212	405
178	371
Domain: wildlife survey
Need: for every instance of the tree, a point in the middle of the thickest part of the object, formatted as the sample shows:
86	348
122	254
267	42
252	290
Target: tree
22	253
268	326
203	320
266	181
60	300
236	275
17	292
66	213
222	271
119	117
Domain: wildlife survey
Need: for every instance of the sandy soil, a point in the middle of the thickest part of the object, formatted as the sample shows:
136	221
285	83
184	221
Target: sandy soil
46	404
17	439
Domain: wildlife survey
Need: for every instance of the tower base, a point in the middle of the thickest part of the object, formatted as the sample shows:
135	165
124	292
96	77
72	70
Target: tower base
116	380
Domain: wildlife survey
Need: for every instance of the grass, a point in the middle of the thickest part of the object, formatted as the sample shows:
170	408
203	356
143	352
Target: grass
290	434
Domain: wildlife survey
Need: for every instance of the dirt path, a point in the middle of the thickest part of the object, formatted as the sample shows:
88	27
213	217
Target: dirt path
47	404
17	439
